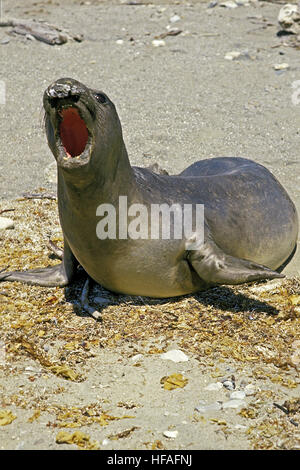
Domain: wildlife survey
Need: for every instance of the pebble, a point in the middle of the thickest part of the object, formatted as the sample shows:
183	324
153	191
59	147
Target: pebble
174	18
214	386
175	355
283	66
6	223
233	404
170	434
158	42
237	394
229	4
250	390
31	369
289	18
120	41
202	408
105	442
136	358
233	55
228	384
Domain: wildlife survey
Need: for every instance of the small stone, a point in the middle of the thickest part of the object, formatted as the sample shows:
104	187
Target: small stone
228	384
289	18
214	386
212	4
233	404
31	369
136	358
105	442
6	223
174	18
249	390
120	41
229	4
237	394
202	408
233	55
283	66
175	355
158	42
170	434
30	37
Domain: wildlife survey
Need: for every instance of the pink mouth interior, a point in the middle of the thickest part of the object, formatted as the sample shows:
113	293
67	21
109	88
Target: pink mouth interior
73	132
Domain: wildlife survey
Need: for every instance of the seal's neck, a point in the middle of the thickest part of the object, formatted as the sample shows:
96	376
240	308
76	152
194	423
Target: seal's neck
86	186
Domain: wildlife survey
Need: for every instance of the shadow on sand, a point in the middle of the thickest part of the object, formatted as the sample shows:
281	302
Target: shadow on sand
221	298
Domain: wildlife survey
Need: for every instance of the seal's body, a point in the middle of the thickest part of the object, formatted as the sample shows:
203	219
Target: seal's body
250	227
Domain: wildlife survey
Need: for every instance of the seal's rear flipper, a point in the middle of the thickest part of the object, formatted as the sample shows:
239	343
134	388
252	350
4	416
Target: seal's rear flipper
216	267
52	276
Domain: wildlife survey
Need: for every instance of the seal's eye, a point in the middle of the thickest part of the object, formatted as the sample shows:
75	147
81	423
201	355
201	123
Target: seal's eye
101	98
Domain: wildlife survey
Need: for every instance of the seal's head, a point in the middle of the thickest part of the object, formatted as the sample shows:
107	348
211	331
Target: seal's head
82	125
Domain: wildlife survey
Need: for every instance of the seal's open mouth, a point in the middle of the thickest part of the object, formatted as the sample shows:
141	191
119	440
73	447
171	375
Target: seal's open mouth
73	132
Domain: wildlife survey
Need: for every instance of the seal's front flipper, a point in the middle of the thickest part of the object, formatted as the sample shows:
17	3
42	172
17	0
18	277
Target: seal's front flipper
52	276
216	267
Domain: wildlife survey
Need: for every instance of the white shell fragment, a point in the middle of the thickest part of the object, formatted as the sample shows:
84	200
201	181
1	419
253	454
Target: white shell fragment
6	223
214	386
158	42
283	66
229	4
175	355
250	390
237	395
170	434
234	404
202	408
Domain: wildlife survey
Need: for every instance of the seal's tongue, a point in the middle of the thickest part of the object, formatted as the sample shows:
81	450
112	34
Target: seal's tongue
73	132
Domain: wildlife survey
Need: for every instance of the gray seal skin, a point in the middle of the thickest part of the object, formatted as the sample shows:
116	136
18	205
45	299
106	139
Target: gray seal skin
251	225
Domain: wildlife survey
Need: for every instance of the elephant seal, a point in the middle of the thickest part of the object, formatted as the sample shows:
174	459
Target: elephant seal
250	225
